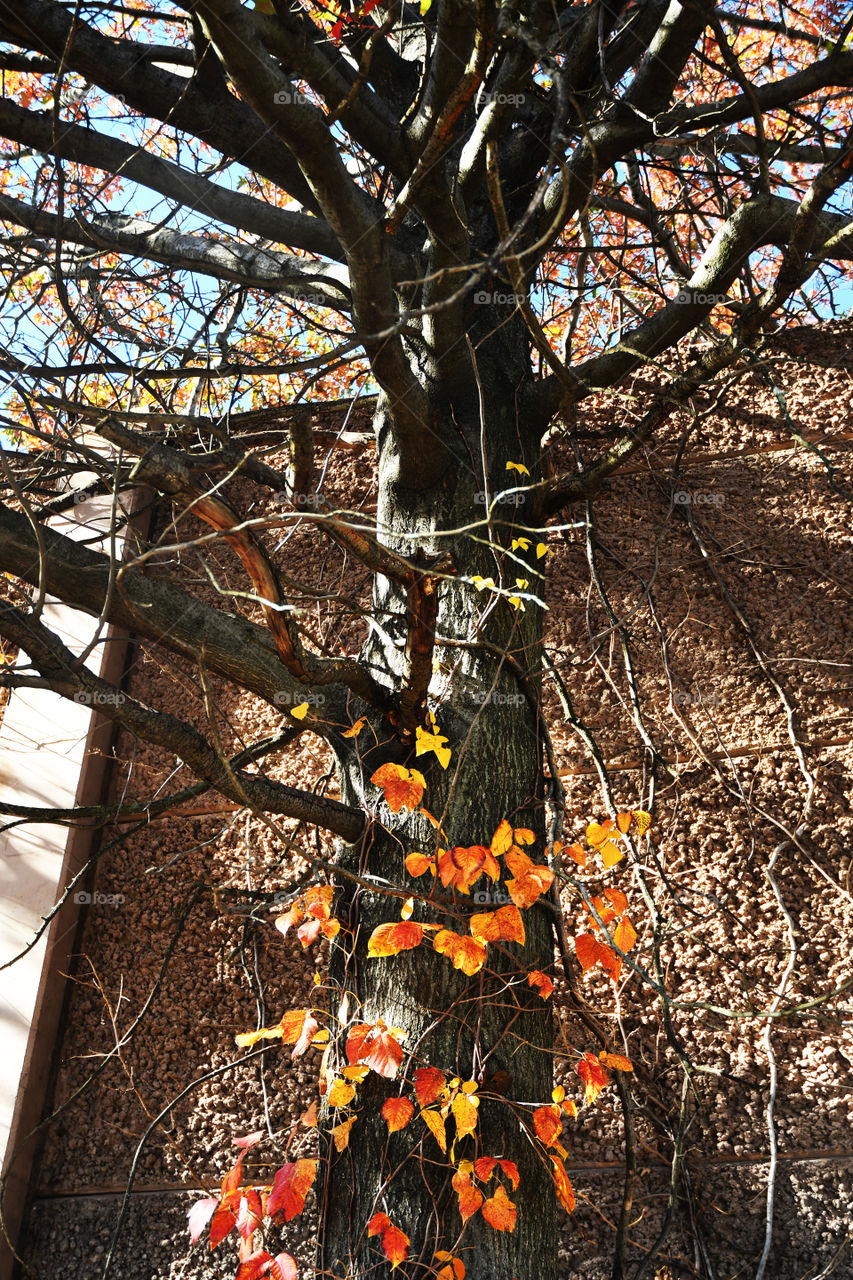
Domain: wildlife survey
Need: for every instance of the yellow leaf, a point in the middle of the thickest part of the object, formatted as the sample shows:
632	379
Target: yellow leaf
426	5
481	583
407	909
356	728
340	1133
519	467
610	853
524	543
300	712
341	1093
541	550
434	742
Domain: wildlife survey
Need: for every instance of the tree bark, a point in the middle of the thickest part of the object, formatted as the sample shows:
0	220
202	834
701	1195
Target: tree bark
483	695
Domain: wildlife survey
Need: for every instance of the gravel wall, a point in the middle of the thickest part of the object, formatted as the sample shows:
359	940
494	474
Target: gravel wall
728	625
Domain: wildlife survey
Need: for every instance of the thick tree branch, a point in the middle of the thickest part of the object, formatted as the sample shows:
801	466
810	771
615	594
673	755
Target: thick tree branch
209	113
100	151
63	674
300	278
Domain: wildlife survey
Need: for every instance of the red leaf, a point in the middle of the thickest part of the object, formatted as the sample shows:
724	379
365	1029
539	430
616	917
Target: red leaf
199	1216
250	1139
223	1222
290	1187
429	1082
485	1167
378	1223
283	1267
395	1245
453	1268
548	1123
255	1266
386	1054
397	1112
249	1214
594	1076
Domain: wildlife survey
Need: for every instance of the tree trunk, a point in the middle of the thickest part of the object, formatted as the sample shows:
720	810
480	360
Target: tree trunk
483	697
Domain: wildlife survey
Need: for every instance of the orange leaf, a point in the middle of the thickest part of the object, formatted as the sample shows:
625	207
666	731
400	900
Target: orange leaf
623	821
502	839
429	1082
309	1029
418	863
615	1061
290	1187
291	917
460	868
355	729
402	788
391	939
610	961
470	1198
548	1123
541	982
586	950
467	954
395	1245
453	1269
577	853
340	1133
397	1112
562	1186
625	935
500	1212
523	835
505	925
288	1030
594	1076
435	1123
464	1108
378	1223
617	900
